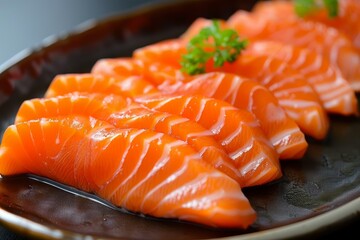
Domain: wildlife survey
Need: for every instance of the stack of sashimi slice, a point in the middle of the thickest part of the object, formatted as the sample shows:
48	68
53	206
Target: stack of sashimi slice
144	135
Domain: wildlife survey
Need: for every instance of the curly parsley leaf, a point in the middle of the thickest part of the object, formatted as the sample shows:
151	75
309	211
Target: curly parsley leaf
306	7
332	7
212	42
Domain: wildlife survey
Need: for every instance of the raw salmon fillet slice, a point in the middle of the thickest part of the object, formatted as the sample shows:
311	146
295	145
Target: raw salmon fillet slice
236	130
97	105
347	20
282	131
243	93
125	115
327	41
295	95
231	141
139	170
122	67
128	86
333	89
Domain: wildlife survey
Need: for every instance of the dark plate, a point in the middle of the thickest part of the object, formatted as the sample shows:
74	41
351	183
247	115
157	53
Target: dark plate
320	191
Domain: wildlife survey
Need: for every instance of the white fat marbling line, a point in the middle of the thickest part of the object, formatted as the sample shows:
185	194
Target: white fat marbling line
189	188
145	148
339	93
253	164
251	96
348	107
290	34
238	153
234	134
159	103
282	136
293	114
300	59
336	43
216	83
234	88
130	137
283	85
163	160
204	133
185	105
169	180
263	174
126	83
206	202
234	91
220	123
284	93
299	104
314	67
171	123
201	109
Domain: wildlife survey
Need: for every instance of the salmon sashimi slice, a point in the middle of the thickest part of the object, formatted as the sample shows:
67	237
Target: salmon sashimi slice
168	51
325	40
335	92
243	93
232	146
236	130
46	147
97	105
135	169
125	66
282	131
295	95
347	20
132	116
122	67
85	82
166	74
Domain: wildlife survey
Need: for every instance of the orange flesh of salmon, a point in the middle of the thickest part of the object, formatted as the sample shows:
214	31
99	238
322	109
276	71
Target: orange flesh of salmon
125	115
237	131
294	95
335	92
333	89
329	42
243	93
234	146
165	175
282	131
125	86
347	20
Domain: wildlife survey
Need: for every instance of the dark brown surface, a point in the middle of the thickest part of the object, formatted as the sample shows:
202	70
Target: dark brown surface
327	177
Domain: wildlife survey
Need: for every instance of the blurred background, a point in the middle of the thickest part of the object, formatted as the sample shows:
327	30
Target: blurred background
24	24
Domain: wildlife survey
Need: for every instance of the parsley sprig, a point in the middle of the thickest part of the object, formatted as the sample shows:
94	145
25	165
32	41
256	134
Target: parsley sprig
212	42
306	7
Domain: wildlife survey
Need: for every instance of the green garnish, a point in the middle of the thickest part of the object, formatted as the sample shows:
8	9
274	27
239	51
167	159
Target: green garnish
223	45
332	7
306	7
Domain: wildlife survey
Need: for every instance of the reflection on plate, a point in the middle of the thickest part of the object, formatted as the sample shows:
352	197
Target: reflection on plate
321	190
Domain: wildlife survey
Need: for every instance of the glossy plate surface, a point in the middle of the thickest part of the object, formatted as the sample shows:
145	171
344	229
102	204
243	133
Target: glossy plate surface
320	191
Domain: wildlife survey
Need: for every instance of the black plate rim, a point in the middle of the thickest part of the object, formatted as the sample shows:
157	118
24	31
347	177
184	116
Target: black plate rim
314	225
